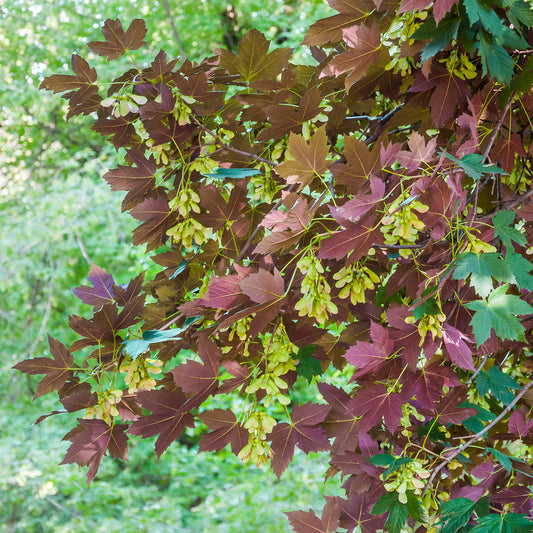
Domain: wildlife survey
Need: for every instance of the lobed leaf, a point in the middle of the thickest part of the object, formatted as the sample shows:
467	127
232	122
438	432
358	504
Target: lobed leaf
117	41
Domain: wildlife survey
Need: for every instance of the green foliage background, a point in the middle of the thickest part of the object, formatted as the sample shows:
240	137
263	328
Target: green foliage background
55	213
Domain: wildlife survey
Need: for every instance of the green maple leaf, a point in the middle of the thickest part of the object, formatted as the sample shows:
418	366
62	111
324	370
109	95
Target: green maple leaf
495	58
136	347
428	307
474	167
520	12
500	313
508	523
483	14
398	512
440	35
505	231
308	366
497	382
502	458
455	514
397	518
520	267
414	506
381	459
476	422
234	173
482	269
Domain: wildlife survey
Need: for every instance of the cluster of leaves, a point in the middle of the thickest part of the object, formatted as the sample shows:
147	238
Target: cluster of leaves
372	213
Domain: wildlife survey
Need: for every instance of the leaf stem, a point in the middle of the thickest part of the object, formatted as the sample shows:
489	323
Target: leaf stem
479	434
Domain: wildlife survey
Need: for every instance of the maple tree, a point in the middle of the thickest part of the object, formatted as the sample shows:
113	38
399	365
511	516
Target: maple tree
369	213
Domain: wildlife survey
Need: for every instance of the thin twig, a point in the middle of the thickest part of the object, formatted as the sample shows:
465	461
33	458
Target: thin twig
175	30
478	369
488	148
82	248
473	439
45	318
171	321
60	507
496	129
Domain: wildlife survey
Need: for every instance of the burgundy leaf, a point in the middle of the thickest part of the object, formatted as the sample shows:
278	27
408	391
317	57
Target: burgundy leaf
170	416
367	357
457	349
309	159
361	163
263	287
360	204
519	424
138	180
224	430
353	242
356	512
84	78
427	384
101	292
518	495
91	439
303	431
224	292
157	217
329	30
240	373
194	377
219	212
94	331
117	41
56	369
340	423
374	403
308	522
363	44
448	410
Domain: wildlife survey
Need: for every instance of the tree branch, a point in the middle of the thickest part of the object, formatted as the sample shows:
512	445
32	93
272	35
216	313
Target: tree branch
45	318
82	248
174	30
473	439
497	128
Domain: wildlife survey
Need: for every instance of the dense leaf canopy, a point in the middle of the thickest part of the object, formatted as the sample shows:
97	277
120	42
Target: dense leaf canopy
368	213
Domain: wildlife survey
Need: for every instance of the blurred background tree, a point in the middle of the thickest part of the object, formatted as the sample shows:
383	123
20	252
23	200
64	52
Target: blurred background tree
57	215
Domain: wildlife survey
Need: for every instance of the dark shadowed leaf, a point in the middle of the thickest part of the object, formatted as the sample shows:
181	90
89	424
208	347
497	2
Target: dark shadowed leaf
138	180
253	61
